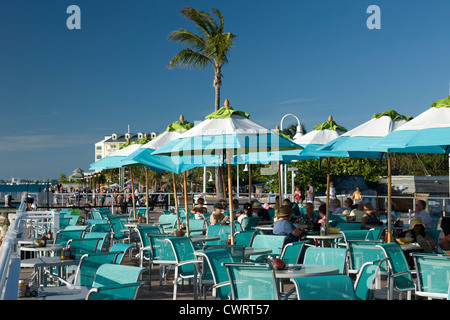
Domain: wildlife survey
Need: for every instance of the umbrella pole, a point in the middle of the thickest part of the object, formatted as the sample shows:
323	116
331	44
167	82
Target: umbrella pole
132	193
176	201
146	193
250	183
280	186
186	202
389	235
328	192
230	200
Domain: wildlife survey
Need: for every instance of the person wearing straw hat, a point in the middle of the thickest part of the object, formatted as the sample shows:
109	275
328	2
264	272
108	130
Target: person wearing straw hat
284	227
424	239
421	237
260	212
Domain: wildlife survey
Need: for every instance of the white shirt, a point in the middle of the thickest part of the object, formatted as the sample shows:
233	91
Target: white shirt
426	218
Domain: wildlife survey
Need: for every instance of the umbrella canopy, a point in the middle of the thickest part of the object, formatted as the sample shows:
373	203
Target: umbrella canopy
358	141
224	134
119	159
429	132
145	154
226	129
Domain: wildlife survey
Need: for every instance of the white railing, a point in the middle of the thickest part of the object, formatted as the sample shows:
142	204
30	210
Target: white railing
25	224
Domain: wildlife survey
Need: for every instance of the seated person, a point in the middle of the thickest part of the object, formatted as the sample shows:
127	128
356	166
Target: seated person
217	216
420	212
336	207
310	219
348	203
370	217
260	212
294	206
323	215
199	209
247	212
284	227
421	237
358	213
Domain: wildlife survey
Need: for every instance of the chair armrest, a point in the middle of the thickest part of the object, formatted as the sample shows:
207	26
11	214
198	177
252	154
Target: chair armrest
115	287
188	261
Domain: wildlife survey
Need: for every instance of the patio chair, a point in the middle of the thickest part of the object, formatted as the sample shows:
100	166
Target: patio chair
79	247
365	279
361	252
354	235
223	231
236	251
185	261
399	278
160	253
116	282
244	238
332	287
215	273
249	281
249	223
337	257
103	236
273	242
293	252
122	249
433	275
119	233
144	242
63	236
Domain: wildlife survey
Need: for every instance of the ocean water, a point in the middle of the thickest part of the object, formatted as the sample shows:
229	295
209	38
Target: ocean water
16	188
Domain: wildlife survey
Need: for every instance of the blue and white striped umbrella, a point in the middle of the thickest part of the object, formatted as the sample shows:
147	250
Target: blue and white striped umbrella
429	132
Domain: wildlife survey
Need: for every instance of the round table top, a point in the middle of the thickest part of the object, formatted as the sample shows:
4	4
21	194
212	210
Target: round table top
201	237
325	237
265	227
47	248
305	270
60	293
47	262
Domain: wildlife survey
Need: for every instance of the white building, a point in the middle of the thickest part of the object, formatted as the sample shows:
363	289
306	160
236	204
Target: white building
112	143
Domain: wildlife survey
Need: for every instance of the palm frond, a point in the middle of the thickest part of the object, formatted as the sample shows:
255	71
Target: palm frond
200	19
190	39
189	58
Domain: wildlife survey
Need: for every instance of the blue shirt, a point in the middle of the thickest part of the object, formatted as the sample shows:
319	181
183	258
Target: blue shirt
284	228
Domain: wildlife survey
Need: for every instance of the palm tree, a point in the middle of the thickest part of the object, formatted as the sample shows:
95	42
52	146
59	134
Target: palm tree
211	46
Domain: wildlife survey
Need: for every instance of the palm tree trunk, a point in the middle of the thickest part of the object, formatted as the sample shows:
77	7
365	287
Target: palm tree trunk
217	84
220	192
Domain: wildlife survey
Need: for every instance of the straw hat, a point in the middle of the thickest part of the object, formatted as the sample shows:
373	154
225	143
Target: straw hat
257	205
416	221
284	212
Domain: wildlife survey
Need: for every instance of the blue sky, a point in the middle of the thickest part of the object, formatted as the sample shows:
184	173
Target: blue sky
62	90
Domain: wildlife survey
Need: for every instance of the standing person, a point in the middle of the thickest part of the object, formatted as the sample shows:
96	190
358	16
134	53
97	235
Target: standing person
332	191
298	195
357	195
420	212
310	193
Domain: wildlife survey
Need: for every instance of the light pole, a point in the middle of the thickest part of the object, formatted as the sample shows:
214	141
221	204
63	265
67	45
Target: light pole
204	179
298	134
